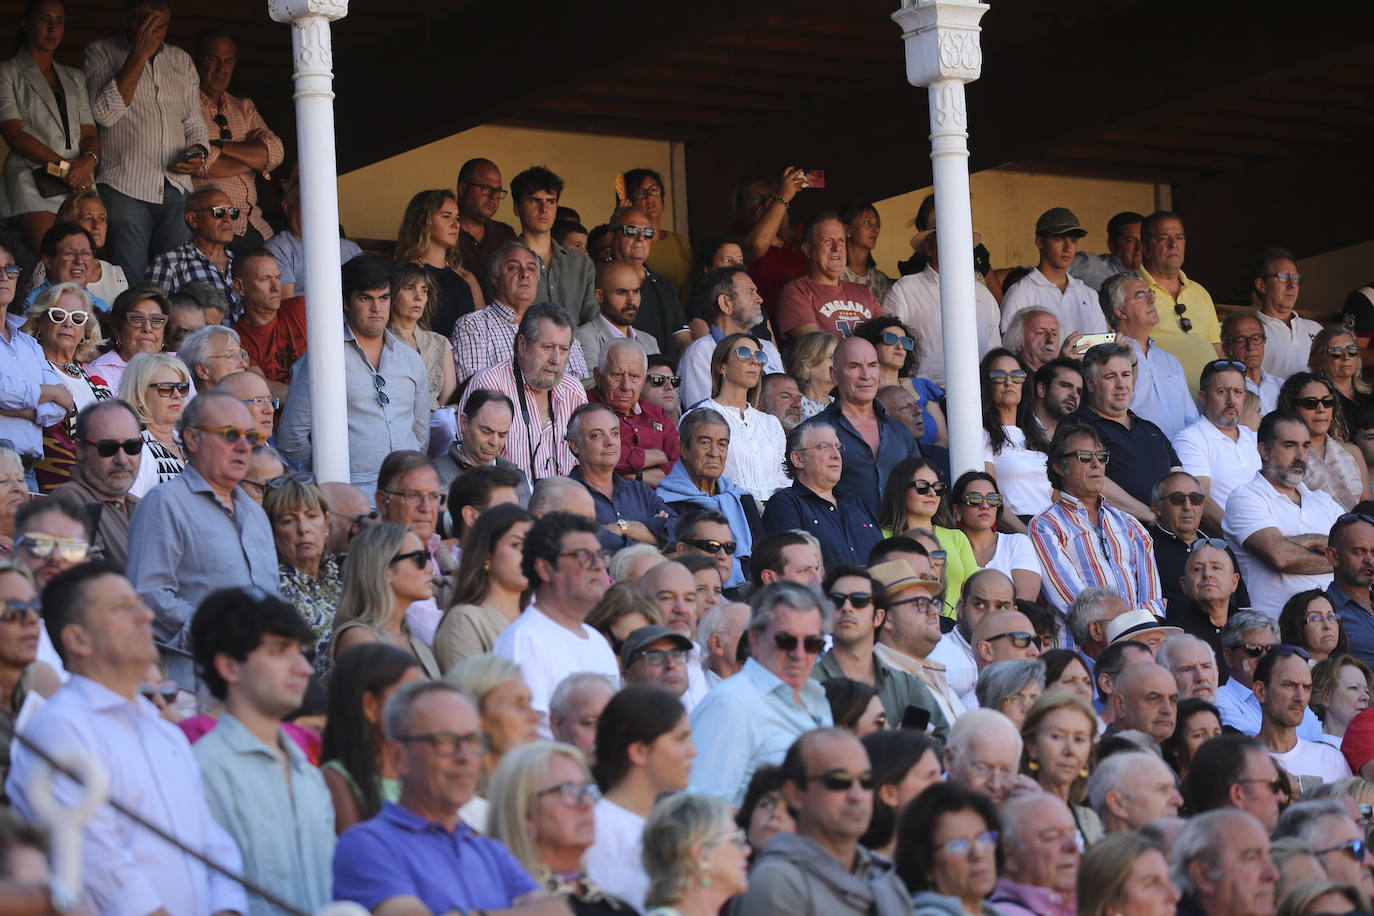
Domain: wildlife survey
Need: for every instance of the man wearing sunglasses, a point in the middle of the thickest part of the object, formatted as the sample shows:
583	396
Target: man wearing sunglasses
206	257
566	277
732	306
750	720
820	869
1179	503
1217	449
999	637
1248	637
1283	687
109	448
1188	326
1325	826
1162	392
1288	335
201	531
821	301
660	313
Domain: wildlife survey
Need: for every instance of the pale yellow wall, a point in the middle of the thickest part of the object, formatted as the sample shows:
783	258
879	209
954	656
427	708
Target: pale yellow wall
1328	278
373	199
1006	204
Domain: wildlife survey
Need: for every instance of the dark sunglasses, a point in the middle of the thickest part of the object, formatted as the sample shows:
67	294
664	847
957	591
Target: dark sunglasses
12	271
14	611
1086	455
1313	403
379	383
634	232
925	486
1352	351
712	546
857	600
744	354
1217	365
787	642
220	212
419	557
1355	847
1178	499
223	124
1019	640
840	781
977	500
892	339
106	448
167	389
1184	322
658	380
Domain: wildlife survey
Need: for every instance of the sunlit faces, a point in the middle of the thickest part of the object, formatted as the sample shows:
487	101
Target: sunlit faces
674	590
443	224
369	311
1081	480
574	581
1057	251
1137	309
1278	288
633	247
411	300
1195	670
1111	385
704	453
827	249
1041	332
507	716
746	305
1285	462
484	434
206	226
411	582
544	360
1166	245
619	293
537	210
1180	505
1061	745
18	638
1222	398
863	229
597	443
965	861
517	278
300	535
1316	404
142	331
72	261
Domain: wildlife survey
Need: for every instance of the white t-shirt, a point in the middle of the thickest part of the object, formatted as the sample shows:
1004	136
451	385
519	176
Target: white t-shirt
1314	759
614	861
1015	551
1020	473
547	652
1206	451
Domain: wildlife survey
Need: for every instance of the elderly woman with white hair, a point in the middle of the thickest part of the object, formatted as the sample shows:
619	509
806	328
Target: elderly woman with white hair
211	353
157	386
1011	686
543	795
14	492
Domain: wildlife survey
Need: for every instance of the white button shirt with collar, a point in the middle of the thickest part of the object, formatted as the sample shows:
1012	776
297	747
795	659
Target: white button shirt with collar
1267	389
1287	346
1077	307
127	871
1206	451
1162	395
915	301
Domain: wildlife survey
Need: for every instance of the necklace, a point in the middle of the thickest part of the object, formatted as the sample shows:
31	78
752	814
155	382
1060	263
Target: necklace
71	369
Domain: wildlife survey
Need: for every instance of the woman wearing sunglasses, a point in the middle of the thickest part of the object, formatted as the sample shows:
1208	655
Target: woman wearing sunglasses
912	499
1336	354
20	623
1334	464
975	502
899	357
757	440
387	569
1006	453
138	318
62	320
157	386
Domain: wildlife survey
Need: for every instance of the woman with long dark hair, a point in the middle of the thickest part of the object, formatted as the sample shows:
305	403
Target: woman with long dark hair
976	502
1007	450
489	592
912	500
429	236
905	764
899	363
1334	464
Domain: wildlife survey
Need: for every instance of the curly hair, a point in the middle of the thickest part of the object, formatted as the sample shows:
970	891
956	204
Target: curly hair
412	239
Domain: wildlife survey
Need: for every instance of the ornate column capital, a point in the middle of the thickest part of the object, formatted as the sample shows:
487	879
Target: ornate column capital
941	39
292	10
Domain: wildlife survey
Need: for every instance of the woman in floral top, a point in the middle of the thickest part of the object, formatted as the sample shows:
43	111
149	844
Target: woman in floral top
310	576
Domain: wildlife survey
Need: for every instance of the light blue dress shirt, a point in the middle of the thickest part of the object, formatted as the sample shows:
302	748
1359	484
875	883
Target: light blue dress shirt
23	369
749	721
1162	392
1240	709
286	831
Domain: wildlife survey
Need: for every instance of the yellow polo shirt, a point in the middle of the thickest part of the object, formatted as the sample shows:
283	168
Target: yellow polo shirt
1194	349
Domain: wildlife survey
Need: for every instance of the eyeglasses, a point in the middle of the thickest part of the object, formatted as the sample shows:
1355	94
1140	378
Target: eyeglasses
938	556
239	354
588	559
987	771
1252	340
378	383
1184	322
1086	455
977	500
634	232
841	780
1284	276
1200	543
857	600
744	354
58	316
106	448
303	477
573	794
925	486
71	550
168	690
788	642
420	558
1019	640
1177	499
1327	402
646	193
76	254
231	434
1020	700
1144	295
219	212
12	271
13	611
1001	376
167	389
1316	618
657	658
488	190
836	447
1355	847
144	322
1275	785
1351	351
415	499
962	846
706	546
924	603
447	744
254	402
892	339
658	380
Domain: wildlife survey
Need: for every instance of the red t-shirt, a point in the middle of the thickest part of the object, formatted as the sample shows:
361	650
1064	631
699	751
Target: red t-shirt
275	347
834	309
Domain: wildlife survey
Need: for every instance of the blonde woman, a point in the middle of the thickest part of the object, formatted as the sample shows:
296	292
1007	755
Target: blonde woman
429	237
1337	355
1125	875
386	570
695	856
1057	744
811	361
413	299
14	492
157	386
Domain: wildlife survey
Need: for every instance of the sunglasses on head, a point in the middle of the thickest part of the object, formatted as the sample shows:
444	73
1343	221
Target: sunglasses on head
841	780
301	477
925	486
744	354
58	316
1019	640
857	600
1313	403
706	546
658	380
1200	543
106	448
1351	351
1178	499
787	642
977	500
892	339
167	389
419	557
13	611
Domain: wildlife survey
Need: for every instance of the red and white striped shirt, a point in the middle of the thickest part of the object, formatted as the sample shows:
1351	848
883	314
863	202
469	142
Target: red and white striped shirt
538	452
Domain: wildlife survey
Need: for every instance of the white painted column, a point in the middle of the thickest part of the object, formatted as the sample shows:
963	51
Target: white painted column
314	77
943	53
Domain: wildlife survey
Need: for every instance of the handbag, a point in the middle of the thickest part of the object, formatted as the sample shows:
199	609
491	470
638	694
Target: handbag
48	184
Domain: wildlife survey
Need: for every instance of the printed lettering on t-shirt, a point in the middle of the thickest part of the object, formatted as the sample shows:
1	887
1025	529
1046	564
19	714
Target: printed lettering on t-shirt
847	307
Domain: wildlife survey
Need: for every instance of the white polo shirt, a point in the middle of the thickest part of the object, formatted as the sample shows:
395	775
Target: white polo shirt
1267	389
1162	394
1287	346
1256	505
1206	451
1077	307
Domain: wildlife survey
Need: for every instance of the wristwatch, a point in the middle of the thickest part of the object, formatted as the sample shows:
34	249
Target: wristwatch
624	527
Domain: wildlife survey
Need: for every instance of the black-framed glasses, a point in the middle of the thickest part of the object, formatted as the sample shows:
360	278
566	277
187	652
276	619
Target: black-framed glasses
841	780
925	604
744	354
1285	276
167	389
1184	322
420	558
144	322
634	232
1355	847
1202	542
1086	455
587	559
709	546
892	339
926	486
71	550
857	600
978	500
1195	498
447	744
659	379
106	448
1350	350
573	794
415	498
1019	640
1252	340
222	123
657	658
378	384
1002	376
252	403
13	610
232	434
489	191
1313	403
58	316
356	522
788	642
219	212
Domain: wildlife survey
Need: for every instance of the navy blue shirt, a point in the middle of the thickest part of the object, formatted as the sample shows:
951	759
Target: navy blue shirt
630	500
864	475
1171	559
1141	455
1357	623
847	532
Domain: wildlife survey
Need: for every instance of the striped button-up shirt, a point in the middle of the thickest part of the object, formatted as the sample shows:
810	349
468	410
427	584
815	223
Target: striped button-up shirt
241	116
1117	553
140	141
486	337
539	451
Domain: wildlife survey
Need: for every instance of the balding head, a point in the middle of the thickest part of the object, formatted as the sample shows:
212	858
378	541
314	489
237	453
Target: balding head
1130	789
1146	698
854	370
984	753
348	510
674	590
1003	636
984	591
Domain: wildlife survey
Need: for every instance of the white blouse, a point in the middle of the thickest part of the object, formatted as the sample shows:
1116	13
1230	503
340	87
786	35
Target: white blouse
1020	473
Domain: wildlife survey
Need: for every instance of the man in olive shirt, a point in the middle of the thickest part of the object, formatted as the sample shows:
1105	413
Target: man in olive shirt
105	470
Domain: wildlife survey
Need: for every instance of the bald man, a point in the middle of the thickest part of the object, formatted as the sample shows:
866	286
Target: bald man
1145	699
617	290
984	591
349	512
674	590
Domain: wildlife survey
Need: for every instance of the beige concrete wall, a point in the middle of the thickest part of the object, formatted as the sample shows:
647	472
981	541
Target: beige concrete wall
372	199
1328	278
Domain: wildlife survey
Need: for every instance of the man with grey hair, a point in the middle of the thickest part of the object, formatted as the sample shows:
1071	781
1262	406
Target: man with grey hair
718	633
732	306
561	494
104	472
575	709
648	436
416	855
1130	789
1162	392
844	528
486	337
201	531
1247	638
617	292
627	511
1217	449
1326	827
751	719
1033	337
1088	615
1039	838
1221	865
984	754
1193	665
211	353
